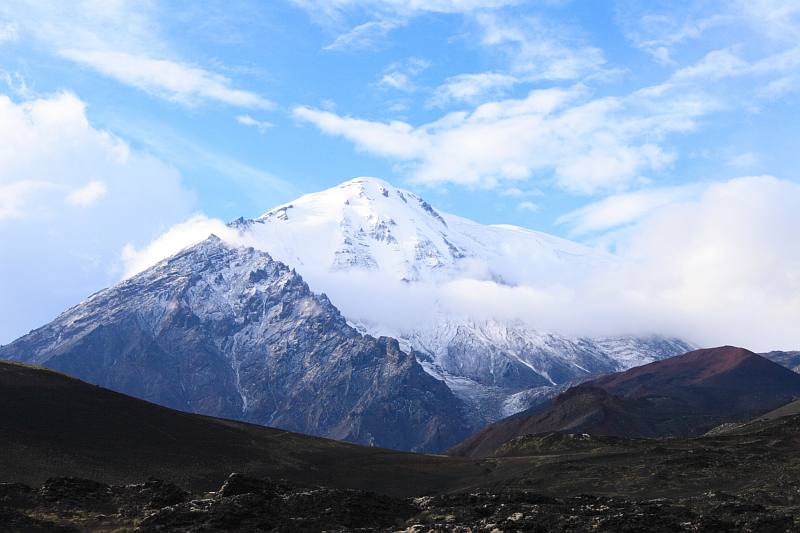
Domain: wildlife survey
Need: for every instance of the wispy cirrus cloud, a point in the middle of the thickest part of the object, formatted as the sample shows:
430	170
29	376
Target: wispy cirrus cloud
122	40
472	88
539	50
365	36
87	195
661	28
401	75
333	9
620	209
381	17
261	125
171	80
560	135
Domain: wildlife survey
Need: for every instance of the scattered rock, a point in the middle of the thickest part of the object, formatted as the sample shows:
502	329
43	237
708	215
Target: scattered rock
17	495
247	504
77	493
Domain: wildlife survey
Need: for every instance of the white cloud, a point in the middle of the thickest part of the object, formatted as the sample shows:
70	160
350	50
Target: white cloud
661	28
719	266
383	16
88	194
659	32
364	36
16	83
472	88
539	50
53	164
397	80
179	82
122	40
716	65
333	9
723	268
777	20
585	145
621	209
516	192
400	74
18	199
780	87
261	125
178	237
395	139
528	206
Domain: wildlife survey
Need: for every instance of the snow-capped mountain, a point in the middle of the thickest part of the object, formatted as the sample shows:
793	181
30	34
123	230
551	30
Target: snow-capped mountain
228	331
395	265
368	224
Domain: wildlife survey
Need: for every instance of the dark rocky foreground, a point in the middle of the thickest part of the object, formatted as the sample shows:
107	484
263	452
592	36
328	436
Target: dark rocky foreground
245	504
54	429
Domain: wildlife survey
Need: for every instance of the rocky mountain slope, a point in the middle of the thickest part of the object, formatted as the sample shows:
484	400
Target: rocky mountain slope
790	360
685	395
228	331
368	240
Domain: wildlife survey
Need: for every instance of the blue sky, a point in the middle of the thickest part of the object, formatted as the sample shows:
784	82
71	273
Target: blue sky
572	117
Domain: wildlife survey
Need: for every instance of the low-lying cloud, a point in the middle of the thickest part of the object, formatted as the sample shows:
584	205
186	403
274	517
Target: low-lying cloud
719	267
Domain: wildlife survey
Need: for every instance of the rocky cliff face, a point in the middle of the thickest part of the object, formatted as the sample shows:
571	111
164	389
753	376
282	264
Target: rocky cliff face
230	332
499	369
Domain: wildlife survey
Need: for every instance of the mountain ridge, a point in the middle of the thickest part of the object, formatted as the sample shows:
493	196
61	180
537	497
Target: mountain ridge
228	331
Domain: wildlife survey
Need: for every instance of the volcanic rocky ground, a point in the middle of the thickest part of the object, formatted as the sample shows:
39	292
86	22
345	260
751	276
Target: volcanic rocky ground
81	458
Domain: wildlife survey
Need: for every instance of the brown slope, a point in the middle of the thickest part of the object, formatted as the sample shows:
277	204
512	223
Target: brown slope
54	425
685	395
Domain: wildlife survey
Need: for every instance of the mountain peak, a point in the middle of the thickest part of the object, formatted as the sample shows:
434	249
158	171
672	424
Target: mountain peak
367	181
369	224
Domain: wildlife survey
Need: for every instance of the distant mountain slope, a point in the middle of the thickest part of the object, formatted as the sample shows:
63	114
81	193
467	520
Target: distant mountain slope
790	360
682	396
369	231
230	332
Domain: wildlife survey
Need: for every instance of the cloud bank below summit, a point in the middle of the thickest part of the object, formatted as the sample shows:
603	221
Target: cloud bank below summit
719	266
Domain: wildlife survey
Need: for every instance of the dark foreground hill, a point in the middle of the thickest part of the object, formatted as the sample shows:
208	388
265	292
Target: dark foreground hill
52	426
684	396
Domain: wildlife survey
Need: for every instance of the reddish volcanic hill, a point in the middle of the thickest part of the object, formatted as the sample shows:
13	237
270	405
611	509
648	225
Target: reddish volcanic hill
685	395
